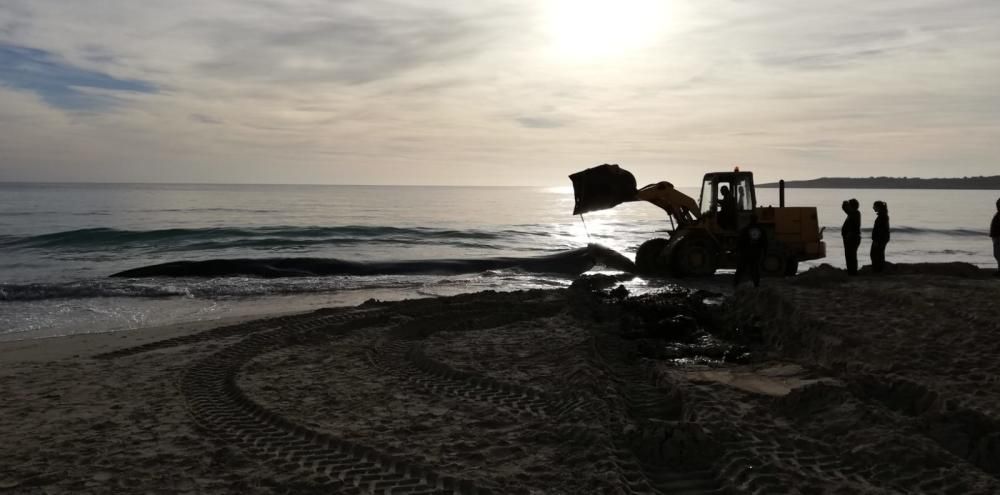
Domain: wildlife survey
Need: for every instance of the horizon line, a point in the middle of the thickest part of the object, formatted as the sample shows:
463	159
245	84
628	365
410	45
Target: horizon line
255	184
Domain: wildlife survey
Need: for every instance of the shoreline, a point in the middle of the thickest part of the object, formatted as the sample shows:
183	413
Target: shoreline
178	311
250	308
84	345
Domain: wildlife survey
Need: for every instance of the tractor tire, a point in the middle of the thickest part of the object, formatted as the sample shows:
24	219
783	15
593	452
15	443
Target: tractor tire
647	258
695	257
775	262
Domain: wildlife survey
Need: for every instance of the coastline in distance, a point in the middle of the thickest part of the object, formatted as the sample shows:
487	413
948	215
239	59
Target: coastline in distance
981	182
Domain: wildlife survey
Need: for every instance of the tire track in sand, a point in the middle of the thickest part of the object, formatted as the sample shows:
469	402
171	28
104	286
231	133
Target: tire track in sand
656	414
318	459
402	354
406	360
313	459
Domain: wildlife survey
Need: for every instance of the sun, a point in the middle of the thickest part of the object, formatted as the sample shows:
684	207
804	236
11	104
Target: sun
601	28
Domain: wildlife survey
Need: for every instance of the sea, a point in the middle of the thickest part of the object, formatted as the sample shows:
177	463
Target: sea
59	243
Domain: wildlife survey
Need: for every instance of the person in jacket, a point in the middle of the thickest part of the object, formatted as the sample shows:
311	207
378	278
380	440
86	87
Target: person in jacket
752	245
880	236
995	234
851	233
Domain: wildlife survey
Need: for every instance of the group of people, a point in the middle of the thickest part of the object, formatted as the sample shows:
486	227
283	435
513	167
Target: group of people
851	232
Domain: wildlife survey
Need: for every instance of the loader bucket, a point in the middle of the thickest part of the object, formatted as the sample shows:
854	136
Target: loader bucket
602	187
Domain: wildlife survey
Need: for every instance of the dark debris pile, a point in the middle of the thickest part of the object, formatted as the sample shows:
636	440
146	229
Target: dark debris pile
680	325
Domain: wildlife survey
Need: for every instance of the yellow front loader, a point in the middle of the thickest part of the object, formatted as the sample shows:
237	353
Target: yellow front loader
704	234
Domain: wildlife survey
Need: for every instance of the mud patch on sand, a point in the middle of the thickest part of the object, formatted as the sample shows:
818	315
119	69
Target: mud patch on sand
775	380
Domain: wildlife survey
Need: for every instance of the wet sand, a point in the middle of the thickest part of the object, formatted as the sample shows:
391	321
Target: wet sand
820	384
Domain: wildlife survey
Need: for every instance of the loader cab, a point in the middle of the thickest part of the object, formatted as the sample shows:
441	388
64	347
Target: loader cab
728	197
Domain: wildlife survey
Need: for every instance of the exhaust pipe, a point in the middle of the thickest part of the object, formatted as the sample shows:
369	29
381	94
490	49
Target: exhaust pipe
781	193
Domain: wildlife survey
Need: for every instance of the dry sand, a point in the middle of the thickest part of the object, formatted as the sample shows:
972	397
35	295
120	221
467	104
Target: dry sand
821	384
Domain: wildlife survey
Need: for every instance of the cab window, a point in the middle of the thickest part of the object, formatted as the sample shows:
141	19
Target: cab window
707	200
745	200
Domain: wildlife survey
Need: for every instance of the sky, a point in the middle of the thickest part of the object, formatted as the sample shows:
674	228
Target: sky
507	92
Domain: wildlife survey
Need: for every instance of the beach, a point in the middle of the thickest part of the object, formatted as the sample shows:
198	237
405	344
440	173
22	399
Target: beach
816	384
491	248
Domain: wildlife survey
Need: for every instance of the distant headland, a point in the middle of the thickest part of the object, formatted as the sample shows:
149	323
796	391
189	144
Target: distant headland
981	182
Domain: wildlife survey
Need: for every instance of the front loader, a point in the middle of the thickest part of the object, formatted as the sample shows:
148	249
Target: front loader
704	234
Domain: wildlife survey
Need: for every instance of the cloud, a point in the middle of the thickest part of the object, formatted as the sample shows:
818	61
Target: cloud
829	60
60	84
339	43
205	119
437	91
540	122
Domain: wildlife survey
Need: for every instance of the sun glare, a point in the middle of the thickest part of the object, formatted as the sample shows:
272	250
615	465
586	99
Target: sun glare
601	28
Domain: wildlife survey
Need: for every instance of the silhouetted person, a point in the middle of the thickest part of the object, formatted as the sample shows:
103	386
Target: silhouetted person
752	245
880	235
727	209
995	234
851	232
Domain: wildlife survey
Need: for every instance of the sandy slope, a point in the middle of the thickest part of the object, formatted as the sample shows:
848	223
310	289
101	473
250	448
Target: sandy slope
531	392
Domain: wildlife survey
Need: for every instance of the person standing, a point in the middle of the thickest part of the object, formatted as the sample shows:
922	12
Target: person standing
752	245
727	209
995	234
851	233
880	236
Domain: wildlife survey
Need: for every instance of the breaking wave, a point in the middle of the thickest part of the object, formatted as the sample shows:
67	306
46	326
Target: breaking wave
190	288
288	236
256	237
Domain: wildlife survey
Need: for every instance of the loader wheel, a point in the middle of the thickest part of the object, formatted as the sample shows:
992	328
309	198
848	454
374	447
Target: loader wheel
776	260
647	258
695	257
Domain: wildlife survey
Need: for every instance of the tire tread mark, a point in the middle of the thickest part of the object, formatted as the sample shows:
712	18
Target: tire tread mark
219	407
406	360
643	401
402	355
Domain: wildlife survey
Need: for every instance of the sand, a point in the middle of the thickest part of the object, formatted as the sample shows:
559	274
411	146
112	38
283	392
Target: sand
819	384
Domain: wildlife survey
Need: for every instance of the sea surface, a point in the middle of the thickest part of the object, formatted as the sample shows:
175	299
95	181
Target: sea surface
60	242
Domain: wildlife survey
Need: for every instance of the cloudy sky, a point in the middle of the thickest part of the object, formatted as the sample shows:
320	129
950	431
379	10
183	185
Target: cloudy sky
495	92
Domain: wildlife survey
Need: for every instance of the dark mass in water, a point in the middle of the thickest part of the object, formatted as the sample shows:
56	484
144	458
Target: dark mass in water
571	262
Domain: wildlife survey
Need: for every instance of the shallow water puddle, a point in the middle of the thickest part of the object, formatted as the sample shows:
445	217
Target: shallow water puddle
776	380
